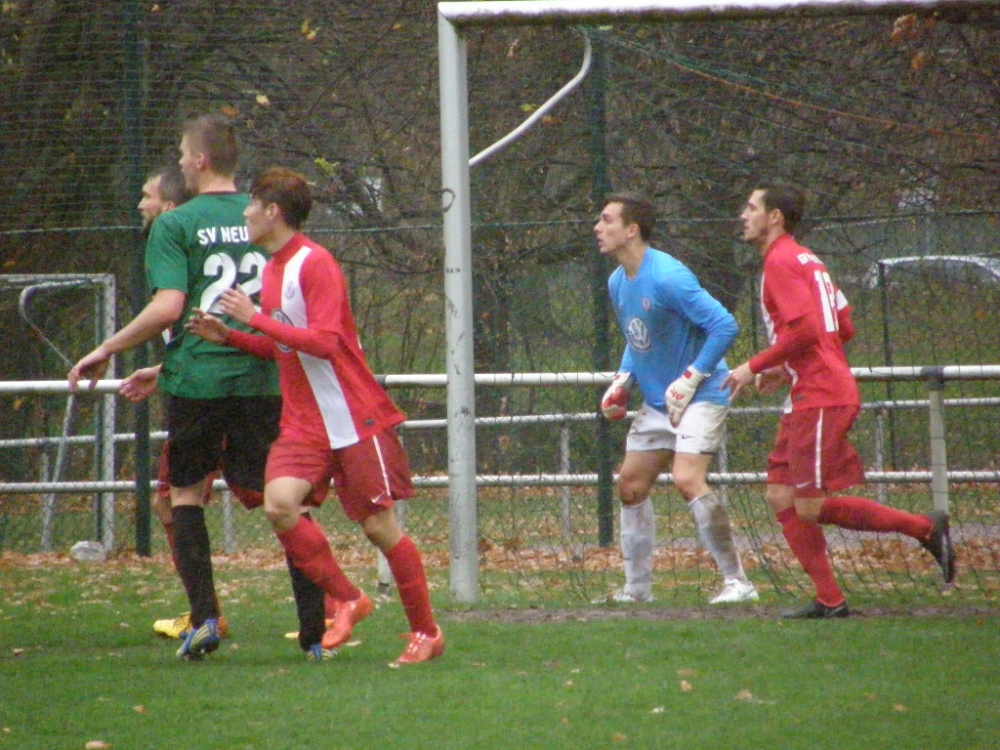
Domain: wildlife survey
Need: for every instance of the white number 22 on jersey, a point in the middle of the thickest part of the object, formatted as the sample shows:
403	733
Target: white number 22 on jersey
827	300
224	268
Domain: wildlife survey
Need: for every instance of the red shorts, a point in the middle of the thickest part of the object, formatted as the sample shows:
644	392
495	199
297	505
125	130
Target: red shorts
812	452
367	476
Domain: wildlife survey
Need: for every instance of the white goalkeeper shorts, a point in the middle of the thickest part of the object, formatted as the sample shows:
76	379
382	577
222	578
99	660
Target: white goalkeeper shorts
701	430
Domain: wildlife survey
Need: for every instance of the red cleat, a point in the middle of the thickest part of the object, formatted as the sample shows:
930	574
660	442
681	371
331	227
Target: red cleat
422	647
347	616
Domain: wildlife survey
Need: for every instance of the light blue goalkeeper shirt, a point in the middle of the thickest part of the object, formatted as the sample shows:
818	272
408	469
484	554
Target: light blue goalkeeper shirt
671	323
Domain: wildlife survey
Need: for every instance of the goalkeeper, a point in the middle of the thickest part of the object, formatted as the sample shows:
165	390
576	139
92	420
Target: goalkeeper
676	334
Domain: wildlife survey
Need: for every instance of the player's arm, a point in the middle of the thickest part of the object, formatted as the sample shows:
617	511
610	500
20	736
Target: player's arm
324	290
614	404
770	381
845	325
211	328
162	312
721	329
799	335
141	384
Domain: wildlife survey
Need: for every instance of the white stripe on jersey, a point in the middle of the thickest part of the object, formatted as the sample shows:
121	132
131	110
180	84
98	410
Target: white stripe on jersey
319	372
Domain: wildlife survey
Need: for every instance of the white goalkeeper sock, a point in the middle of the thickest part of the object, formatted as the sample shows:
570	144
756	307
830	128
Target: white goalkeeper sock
638	532
716	535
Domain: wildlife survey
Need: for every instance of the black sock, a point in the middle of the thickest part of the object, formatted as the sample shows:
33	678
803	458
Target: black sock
194	561
309	605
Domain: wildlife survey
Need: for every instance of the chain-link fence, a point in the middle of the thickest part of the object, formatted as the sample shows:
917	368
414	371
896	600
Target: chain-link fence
889	123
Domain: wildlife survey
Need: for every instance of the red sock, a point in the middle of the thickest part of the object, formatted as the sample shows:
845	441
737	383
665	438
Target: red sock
809	546
408	570
862	514
309	549
329	607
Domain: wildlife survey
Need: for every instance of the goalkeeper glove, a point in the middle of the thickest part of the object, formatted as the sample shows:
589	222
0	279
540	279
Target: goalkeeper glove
614	405
680	392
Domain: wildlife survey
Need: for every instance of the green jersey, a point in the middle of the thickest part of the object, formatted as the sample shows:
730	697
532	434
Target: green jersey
202	248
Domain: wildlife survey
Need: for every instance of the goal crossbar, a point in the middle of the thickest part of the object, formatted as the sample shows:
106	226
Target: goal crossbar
566	12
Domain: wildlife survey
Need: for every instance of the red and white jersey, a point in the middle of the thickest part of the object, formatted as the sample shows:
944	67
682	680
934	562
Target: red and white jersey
805	313
329	394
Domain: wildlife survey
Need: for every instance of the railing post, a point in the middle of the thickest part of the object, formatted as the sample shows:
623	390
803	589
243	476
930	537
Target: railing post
879	461
564	467
939	452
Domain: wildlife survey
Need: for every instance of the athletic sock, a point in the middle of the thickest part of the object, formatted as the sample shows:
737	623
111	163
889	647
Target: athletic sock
716	534
309	606
309	549
193	557
809	547
411	583
638	536
329	603
168	529
862	514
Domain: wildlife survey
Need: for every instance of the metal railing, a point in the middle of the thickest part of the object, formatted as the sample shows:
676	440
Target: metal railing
938	475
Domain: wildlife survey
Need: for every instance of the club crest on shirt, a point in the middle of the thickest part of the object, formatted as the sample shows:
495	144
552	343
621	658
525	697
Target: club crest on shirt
638	335
289	290
646	304
279	315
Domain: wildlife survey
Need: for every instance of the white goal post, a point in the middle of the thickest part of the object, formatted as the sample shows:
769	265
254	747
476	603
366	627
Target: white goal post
453	18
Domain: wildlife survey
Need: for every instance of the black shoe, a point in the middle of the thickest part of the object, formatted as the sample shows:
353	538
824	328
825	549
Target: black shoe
815	610
939	544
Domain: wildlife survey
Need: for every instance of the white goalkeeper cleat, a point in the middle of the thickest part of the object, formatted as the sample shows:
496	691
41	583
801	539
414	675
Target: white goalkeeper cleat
735	591
622	596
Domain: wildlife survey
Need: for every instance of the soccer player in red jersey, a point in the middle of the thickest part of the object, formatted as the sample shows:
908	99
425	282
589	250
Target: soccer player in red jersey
336	420
808	322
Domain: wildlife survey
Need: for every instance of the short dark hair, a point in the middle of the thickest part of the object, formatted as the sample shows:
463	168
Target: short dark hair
788	199
636	209
215	136
172	187
288	190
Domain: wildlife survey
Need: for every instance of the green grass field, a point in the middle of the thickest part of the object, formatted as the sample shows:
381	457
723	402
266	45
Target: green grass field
79	664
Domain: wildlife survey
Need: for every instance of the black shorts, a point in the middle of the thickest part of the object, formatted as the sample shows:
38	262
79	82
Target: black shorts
232	433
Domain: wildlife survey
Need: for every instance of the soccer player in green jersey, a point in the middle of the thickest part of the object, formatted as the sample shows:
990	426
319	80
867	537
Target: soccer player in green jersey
223	406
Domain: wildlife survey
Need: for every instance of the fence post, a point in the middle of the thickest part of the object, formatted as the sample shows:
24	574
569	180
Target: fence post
939	453
600	187
564	467
879	464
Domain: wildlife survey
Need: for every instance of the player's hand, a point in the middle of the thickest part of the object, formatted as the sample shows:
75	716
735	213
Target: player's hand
207	327
738	378
771	381
236	304
140	385
614	405
91	367
680	392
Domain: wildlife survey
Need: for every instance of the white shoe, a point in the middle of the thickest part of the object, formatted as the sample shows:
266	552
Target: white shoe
735	591
622	596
